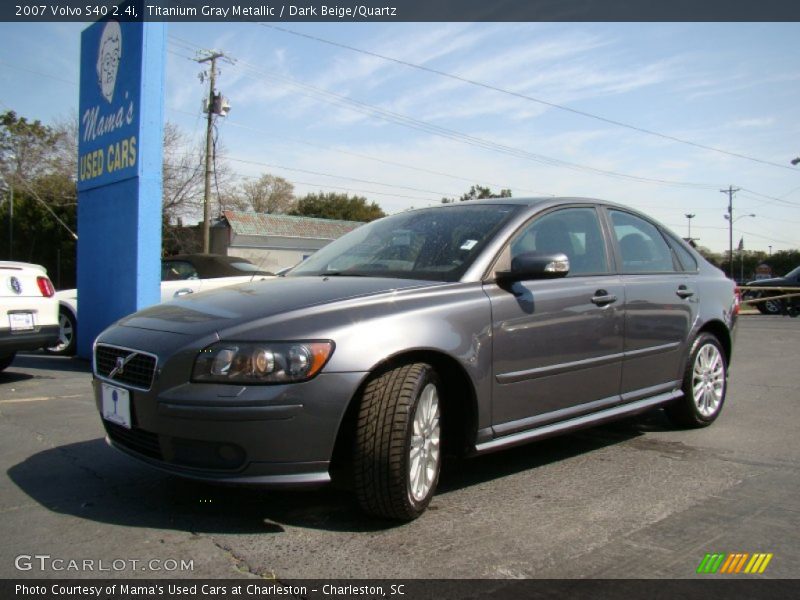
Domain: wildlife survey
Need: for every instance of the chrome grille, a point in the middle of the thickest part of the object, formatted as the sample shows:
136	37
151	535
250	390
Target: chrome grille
138	370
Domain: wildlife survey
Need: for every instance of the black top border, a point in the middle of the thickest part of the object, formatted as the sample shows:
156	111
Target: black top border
402	10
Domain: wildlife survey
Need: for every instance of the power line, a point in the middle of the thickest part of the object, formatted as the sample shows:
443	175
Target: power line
410	122
527	97
40	73
406	121
472	180
274	166
773	199
377	112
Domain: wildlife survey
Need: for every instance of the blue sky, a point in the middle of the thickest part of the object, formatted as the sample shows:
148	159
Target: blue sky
306	111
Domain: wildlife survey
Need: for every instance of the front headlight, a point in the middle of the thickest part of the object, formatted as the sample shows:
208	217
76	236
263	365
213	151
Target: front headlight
267	362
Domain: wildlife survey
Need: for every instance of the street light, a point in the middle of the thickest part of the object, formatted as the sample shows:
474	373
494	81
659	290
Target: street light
689	217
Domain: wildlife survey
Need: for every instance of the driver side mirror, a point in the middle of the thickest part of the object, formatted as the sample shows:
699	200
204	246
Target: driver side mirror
535	265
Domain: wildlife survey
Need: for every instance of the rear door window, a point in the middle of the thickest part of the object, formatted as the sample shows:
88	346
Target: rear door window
641	245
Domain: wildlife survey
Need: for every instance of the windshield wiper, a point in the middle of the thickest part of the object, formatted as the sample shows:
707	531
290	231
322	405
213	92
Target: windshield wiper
342	274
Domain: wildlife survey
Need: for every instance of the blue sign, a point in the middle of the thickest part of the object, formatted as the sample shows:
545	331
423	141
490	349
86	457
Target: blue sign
120	141
111	67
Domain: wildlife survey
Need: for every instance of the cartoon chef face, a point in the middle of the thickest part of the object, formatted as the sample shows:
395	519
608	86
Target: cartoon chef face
108	57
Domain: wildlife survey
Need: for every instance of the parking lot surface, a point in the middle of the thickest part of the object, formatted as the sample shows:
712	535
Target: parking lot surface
638	499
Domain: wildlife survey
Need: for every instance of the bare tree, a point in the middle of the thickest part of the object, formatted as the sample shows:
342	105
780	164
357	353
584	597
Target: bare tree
269	194
182	175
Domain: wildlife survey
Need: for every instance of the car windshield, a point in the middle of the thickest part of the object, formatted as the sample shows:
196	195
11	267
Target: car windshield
793	274
437	244
245	267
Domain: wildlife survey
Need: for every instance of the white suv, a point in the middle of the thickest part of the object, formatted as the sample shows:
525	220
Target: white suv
28	310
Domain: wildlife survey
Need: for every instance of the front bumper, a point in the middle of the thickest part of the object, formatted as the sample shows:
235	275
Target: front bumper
274	436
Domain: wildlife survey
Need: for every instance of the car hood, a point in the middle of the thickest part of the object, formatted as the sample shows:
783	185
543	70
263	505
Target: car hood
770	281
222	308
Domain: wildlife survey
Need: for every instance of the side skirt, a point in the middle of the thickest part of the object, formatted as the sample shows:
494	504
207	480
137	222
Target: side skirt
590	420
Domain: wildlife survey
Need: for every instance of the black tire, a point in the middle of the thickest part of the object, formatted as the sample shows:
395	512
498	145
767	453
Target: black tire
705	384
6	359
67	334
772	307
383	449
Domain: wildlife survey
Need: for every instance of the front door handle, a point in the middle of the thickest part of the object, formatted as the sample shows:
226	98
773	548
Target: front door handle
684	292
183	292
602	298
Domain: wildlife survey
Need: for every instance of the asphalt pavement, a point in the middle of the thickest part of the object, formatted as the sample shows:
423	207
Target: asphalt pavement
637	499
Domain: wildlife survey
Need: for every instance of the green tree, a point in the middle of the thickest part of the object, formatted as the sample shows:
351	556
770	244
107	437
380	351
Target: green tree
332	205
34	172
479	192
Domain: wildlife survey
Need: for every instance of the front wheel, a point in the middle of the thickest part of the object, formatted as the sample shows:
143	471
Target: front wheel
397	444
705	383
6	360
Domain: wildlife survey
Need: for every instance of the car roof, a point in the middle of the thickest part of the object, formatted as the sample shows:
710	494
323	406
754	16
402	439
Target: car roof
207	258
535	201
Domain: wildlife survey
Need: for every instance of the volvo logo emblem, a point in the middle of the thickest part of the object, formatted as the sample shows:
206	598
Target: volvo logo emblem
15	285
119	365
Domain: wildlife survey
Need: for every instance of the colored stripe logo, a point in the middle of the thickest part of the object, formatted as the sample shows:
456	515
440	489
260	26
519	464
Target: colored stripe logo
735	562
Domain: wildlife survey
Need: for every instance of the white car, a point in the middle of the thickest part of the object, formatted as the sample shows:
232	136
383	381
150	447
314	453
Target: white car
180	275
28	309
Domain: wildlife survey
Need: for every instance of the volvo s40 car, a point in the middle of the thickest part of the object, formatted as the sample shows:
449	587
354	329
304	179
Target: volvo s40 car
464	328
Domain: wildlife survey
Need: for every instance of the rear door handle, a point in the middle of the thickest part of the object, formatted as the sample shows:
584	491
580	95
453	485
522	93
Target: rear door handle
183	292
602	297
684	292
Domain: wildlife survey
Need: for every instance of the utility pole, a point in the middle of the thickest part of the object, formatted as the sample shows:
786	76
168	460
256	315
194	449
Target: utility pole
730	191
10	221
212	78
215	105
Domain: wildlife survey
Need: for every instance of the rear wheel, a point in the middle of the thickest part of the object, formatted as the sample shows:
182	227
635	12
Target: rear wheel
705	383
772	307
67	334
397	443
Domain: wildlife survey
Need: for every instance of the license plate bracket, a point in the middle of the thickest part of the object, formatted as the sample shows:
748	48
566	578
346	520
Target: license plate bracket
20	321
116	403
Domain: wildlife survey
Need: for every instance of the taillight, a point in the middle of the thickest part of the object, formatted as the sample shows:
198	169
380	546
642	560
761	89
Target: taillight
45	286
737	300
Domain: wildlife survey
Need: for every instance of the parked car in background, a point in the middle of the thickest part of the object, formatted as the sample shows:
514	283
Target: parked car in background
780	306
465	328
28	309
180	275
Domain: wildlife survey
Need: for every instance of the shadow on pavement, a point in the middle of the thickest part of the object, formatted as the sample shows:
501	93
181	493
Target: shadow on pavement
9	376
91	481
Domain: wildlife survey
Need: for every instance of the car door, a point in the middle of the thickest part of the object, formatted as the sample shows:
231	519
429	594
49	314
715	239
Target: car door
557	343
178	278
661	302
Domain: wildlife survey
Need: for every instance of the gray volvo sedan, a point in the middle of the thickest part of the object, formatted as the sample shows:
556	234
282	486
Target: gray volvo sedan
465	328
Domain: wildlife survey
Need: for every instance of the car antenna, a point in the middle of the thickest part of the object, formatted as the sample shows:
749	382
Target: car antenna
260	264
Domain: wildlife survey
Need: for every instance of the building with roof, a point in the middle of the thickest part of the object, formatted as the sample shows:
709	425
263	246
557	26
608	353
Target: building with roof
272	241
